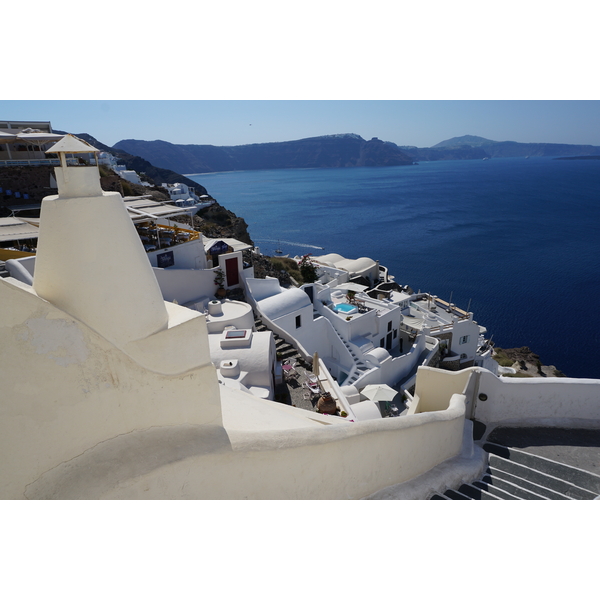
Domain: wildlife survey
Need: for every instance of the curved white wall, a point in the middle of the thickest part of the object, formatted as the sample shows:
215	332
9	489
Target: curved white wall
349	461
66	389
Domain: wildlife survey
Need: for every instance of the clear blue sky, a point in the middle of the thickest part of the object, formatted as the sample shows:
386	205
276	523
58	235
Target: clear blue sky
233	122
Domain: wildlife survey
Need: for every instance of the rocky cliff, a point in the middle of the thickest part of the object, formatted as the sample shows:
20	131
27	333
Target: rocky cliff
344	150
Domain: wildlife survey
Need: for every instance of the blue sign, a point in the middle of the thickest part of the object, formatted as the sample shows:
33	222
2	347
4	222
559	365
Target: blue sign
219	247
164	260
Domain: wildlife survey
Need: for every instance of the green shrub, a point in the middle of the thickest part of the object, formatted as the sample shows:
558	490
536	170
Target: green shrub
501	358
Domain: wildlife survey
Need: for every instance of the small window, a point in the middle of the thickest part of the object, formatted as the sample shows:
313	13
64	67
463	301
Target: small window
390	326
298	321
235	333
382	342
464	339
395	333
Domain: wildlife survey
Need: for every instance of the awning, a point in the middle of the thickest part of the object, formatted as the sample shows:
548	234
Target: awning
7	138
141	208
13	229
235	244
412	322
41	137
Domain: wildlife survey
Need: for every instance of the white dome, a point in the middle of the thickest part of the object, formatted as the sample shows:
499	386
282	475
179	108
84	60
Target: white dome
288	301
377	355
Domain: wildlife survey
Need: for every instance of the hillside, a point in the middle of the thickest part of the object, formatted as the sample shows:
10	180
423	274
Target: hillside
344	150
136	163
474	147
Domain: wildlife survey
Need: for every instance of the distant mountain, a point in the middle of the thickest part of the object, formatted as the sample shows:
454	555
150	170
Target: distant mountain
465	140
341	150
474	147
140	165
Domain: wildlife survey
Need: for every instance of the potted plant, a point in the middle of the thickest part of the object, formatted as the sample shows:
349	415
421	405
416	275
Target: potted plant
219	282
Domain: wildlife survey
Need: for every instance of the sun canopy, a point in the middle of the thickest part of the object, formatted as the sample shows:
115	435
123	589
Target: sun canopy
235	244
13	229
70	144
141	208
379	393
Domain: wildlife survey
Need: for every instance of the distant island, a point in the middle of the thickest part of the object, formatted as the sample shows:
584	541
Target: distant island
587	157
339	150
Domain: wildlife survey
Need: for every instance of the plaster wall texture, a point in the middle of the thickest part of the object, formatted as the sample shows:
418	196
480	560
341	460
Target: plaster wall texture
257	359
238	314
91	264
22	269
364	325
434	387
466	467
185	285
286	305
346	461
394	369
66	389
131	176
538	400
187	256
262	288
461	329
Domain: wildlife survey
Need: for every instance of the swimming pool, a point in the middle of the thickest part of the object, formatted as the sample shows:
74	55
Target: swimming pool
347	309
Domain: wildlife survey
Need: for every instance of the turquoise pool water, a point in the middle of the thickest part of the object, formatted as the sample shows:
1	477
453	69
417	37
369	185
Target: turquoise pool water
345	308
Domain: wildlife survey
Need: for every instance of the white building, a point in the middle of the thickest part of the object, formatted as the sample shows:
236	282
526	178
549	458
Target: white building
180	191
360	343
110	392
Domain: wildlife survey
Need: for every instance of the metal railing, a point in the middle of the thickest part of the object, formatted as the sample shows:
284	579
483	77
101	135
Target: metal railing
33	162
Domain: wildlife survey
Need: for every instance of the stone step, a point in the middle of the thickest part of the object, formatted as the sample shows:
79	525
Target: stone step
530	474
476	493
486	483
513	474
455	495
514	486
496	474
578	477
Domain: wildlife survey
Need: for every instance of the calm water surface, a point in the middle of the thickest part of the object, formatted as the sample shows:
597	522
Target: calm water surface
517	239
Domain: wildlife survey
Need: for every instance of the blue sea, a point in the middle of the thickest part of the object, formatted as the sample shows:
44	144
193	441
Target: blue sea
517	241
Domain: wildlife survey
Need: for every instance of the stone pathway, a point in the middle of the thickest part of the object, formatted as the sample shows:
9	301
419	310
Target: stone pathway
291	391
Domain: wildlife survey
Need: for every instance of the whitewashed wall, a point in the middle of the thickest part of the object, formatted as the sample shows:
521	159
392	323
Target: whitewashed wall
349	461
539	401
185	285
65	388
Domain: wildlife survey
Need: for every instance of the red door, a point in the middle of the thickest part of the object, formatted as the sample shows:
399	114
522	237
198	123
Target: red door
231	271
